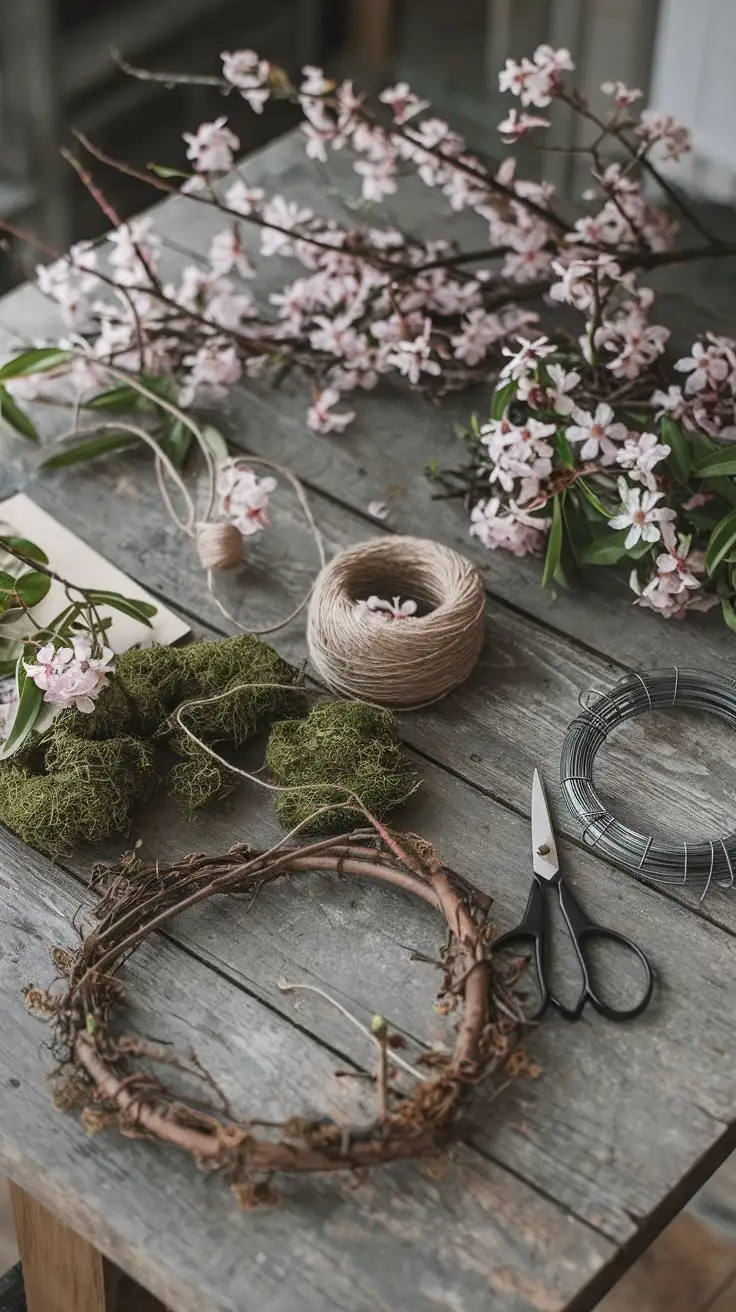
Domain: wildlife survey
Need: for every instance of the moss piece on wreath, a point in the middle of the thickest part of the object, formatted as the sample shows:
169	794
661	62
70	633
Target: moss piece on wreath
84	796
347	744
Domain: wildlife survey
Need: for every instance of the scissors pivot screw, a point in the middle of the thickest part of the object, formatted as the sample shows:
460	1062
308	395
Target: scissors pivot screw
543	849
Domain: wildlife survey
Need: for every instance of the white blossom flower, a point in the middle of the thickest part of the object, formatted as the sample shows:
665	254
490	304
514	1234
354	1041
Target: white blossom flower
708	366
242	198
396	609
662	130
413	358
517	125
641	514
226	253
598	433
379	176
623	95
321	417
285	215
404	104
536	82
525	360
508	526
639	455
378	509
563	384
246	71
211	146
669	402
244	496
314	82
478	331
71	676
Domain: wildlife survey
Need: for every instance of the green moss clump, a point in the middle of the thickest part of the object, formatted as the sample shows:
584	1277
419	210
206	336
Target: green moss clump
85	794
348	744
147	683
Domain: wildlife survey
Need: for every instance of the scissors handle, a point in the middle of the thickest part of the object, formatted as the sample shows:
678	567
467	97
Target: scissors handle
583	930
532	928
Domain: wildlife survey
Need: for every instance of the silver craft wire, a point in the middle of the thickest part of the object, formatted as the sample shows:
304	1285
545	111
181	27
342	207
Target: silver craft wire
699	864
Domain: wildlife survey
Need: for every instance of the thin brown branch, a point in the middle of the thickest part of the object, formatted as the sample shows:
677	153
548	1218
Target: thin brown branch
171	79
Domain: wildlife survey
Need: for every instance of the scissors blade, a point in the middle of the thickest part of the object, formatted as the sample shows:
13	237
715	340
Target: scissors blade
544	850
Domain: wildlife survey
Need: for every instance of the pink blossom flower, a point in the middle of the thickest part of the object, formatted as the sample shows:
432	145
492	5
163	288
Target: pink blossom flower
598	433
708	366
379	176
525	360
670	402
508	527
242	198
528	260
211	147
563	384
662	130
413	358
404	104
577	280
285	215
249	74
226	253
314	82
641	515
623	95
322	419
478	331
211	369
639	455
244	496
535	83
396	609
517	125
71	676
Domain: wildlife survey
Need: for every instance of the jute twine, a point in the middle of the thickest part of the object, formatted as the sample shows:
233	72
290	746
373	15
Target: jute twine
401	663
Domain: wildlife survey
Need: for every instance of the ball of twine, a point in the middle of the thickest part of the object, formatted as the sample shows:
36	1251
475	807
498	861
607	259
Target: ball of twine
220	546
399	663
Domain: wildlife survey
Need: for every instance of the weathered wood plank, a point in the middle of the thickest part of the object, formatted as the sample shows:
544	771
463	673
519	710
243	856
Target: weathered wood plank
511	715
60	1269
621	1114
333	1244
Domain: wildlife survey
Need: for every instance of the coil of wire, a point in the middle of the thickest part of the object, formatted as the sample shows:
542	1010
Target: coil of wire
698	864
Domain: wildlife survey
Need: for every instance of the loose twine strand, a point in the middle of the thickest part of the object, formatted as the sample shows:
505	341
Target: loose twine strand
219	545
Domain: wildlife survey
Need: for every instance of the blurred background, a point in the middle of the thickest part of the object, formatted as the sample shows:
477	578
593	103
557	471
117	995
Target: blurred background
57	73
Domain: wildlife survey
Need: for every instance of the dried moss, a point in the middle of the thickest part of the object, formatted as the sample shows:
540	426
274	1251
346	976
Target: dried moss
348	744
79	781
85	794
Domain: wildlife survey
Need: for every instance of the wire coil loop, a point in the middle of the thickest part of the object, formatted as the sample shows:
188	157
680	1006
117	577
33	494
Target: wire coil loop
697	864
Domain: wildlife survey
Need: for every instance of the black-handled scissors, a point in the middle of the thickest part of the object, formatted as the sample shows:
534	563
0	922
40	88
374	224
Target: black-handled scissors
534	927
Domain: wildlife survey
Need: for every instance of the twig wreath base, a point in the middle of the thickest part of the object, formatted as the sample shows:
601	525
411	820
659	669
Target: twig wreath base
98	1064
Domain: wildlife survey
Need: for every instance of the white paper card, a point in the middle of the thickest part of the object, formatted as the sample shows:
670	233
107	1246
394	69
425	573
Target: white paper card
70	557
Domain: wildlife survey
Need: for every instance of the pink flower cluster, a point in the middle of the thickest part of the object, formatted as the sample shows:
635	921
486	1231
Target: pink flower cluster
243	496
71	676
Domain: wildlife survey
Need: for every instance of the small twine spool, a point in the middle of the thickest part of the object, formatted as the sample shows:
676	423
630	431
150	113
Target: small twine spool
397	663
220	546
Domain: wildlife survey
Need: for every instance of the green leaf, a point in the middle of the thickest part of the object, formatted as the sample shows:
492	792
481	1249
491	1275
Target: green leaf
135	609
720	461
553	554
593	500
610	548
163	171
32	587
216	443
122	397
563	450
680	458
34	361
728	612
27	548
720	542
501	399
177	441
88	450
30	701
16	418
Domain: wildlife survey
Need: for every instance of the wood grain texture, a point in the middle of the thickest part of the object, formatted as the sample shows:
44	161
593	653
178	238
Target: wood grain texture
60	1269
334	1244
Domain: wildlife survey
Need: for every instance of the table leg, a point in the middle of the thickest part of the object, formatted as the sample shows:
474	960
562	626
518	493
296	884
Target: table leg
61	1271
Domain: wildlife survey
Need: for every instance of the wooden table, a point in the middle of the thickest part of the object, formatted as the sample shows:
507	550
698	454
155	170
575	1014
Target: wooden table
567	1178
